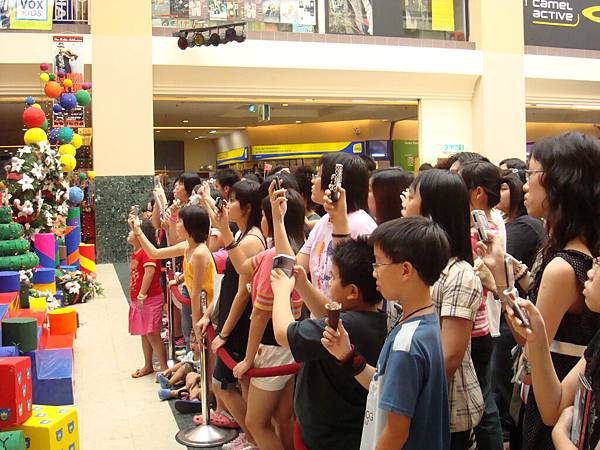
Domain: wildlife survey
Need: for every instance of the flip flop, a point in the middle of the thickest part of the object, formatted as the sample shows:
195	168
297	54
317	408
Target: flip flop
141	373
218	419
183	394
188	406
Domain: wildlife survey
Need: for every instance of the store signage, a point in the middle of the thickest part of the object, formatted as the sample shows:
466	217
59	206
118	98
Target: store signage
564	24
453	148
313	150
232	156
31	14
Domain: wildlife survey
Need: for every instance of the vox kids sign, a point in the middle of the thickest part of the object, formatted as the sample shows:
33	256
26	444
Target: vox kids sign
564	24
32	14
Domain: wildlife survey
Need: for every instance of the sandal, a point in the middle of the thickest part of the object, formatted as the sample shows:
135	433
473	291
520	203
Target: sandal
218	419
183	394
141	373
188	406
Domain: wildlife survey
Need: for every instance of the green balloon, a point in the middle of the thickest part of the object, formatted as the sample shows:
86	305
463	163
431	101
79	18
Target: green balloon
83	97
82	176
52	77
45	125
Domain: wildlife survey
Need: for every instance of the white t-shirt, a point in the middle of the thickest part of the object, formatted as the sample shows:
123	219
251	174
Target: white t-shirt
319	245
494	308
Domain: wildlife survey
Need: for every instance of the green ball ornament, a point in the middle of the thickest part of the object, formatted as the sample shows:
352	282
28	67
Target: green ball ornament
65	135
82	176
52	77
45	125
83	97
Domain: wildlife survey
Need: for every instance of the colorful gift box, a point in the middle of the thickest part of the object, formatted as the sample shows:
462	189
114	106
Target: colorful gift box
37	303
51	428
13	440
52	376
20	331
16	394
63	321
9	350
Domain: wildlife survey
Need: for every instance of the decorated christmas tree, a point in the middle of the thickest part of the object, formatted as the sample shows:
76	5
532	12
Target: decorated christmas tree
15	251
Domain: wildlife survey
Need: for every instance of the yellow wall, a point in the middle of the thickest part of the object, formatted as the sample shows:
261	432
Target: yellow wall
538	130
201	152
405	130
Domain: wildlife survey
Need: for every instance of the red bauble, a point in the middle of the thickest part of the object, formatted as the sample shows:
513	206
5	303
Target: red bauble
52	89
33	117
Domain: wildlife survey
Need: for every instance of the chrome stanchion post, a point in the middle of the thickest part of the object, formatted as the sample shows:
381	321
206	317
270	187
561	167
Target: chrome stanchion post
205	435
171	340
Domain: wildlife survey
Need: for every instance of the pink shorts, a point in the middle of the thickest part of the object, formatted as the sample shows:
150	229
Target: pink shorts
148	318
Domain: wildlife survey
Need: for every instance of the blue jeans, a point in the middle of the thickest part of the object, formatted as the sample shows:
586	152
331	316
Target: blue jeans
186	319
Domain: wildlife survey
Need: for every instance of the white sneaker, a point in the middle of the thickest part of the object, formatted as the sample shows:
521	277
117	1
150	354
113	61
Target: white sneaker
180	352
237	443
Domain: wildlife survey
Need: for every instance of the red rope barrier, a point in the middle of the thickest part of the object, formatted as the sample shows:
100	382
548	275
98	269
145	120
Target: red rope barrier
289	369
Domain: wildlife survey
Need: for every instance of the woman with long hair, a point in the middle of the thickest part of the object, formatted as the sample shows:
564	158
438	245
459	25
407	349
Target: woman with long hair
385	189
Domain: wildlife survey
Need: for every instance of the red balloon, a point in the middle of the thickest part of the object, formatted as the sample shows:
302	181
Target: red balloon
33	117
52	89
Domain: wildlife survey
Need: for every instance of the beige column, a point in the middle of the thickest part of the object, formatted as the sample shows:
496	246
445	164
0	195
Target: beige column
499	128
122	87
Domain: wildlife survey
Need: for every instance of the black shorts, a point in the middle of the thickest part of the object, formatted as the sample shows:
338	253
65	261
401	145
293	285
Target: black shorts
223	376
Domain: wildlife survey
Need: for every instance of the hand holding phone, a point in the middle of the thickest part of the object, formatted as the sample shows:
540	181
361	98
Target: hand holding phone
219	204
481	224
512	294
285	263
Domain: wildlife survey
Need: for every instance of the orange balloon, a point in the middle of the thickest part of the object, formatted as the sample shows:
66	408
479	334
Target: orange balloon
52	89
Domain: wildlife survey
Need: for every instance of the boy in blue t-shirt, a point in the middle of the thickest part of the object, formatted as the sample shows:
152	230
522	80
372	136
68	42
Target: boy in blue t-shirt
407	405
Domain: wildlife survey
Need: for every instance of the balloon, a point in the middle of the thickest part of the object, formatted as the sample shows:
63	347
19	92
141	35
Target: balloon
83	97
68	101
91	174
53	135
35	135
36	105
68	83
82	176
30	101
86	86
44	77
57	108
45	125
77	141
61	73
52	77
66	149
68	162
65	135
52	89
33	117
75	195
44	67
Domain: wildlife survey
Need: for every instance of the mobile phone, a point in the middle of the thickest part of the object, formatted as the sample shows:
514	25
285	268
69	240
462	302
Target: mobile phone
285	263
157	183
336	182
277	183
511	292
219	203
135	210
481	224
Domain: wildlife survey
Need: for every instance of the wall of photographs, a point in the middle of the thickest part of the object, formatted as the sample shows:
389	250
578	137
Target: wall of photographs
425	19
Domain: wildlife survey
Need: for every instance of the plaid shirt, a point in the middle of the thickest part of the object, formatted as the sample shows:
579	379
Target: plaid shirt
458	293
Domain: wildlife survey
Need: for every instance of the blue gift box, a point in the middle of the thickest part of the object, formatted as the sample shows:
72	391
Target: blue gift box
52	382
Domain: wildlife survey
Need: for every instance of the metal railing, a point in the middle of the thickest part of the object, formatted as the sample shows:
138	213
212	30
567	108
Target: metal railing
71	11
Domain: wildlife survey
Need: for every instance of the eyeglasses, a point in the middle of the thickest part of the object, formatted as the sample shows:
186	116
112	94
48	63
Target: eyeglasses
528	173
378	265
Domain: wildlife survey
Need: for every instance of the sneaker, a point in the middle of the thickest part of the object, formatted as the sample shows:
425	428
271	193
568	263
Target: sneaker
237	443
180	352
164	394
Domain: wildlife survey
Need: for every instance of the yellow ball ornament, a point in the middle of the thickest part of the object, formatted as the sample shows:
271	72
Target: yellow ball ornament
66	149
77	141
68	83
91	174
36	105
68	163
44	77
35	135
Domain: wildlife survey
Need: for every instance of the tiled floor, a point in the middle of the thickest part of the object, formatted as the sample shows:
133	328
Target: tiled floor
115	411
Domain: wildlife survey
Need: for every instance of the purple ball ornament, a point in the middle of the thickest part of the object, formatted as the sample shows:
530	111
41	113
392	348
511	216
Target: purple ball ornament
86	86
61	73
57	108
53	136
68	101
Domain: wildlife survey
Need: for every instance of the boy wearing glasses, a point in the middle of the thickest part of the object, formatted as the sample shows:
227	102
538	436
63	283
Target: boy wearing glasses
407	405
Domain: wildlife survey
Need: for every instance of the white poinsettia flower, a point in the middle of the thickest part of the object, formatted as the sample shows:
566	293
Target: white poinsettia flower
24	150
48	161
26	182
37	171
63	209
16	164
73	287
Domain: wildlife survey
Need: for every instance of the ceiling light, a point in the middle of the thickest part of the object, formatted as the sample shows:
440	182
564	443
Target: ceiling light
212	131
189	131
185	121
588	107
298	121
199	39
285	105
182	42
158	131
360	101
195	138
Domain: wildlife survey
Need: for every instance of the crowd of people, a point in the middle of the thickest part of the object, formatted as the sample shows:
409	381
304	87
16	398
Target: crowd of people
434	348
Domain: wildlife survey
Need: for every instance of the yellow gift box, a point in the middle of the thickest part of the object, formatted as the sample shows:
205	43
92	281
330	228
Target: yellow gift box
51	428
37	303
47	287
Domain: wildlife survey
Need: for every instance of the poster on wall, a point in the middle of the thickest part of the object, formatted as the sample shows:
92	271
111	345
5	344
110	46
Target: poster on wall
307	12
67	51
4	14
30	15
217	9
250	9
350	17
195	8
564	24
180	8
288	11
270	11
435	15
